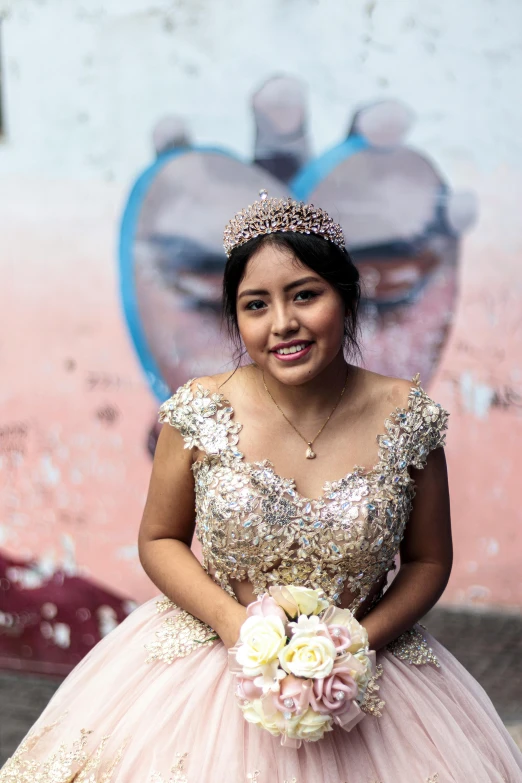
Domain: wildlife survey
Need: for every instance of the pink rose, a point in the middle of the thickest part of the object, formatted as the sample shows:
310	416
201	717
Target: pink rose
265	606
324	696
246	690
340	636
293	695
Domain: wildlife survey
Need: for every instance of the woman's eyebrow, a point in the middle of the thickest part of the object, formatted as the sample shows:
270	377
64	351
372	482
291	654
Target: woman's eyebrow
263	292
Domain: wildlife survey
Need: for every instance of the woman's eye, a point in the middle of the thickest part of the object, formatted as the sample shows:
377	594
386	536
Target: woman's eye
257	304
304	296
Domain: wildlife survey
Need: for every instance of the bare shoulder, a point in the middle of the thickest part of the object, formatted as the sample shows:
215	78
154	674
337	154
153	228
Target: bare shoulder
208	382
223	382
384	391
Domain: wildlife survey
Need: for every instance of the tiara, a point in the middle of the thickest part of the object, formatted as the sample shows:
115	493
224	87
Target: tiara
269	215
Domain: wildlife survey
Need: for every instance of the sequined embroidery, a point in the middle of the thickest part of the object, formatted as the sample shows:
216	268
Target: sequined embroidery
254	525
89	774
164	604
178	636
413	648
65	765
372	703
177	772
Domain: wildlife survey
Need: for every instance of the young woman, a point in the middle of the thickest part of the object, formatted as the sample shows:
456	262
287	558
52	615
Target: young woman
299	468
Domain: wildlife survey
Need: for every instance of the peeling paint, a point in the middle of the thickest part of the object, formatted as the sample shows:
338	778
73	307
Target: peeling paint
478	593
476	397
50	472
490	546
129	552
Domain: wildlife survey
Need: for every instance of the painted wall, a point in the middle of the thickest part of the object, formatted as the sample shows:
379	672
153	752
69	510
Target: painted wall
92	91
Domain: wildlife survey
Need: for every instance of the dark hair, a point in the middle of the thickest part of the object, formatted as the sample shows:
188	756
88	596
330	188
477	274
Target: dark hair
322	256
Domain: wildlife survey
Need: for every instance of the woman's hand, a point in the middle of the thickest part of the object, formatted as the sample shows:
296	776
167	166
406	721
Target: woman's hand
230	626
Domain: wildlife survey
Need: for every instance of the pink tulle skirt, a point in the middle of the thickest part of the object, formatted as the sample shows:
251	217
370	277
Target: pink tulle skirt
118	719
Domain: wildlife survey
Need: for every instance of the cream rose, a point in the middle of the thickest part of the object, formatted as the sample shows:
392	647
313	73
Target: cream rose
345	619
254	713
262	639
298	600
308	656
367	669
309	726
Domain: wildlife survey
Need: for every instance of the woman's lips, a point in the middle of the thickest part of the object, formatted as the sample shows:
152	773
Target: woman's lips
292	357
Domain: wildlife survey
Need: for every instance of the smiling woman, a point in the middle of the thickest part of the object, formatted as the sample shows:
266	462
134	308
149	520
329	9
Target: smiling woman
268	517
250	287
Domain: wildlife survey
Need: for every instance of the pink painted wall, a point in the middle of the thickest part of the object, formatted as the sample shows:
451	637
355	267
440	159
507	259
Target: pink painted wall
76	413
75	406
480	381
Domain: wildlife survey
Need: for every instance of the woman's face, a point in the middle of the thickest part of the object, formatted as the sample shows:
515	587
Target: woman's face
290	319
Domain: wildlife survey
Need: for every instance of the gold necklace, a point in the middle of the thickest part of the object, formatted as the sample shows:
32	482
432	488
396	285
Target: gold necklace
310	453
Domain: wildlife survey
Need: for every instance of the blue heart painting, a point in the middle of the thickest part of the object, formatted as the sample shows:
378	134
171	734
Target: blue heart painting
402	223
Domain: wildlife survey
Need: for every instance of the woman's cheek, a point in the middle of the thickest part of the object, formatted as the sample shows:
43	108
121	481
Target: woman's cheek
253	333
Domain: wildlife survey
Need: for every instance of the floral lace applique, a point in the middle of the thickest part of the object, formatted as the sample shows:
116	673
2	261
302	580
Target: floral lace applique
372	703
177	774
204	419
165	604
178	636
66	764
89	774
254	525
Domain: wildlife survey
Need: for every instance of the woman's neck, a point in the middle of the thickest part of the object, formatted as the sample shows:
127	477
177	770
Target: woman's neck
316	395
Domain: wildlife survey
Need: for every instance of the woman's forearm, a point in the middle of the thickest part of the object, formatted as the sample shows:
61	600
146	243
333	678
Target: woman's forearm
414	591
174	569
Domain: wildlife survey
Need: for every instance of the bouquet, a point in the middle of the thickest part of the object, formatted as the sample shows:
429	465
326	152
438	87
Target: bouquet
302	665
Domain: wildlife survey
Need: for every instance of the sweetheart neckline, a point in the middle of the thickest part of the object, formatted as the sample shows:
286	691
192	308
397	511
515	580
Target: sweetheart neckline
357	469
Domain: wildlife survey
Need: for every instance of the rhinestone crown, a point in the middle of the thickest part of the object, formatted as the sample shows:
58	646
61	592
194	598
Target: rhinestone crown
269	215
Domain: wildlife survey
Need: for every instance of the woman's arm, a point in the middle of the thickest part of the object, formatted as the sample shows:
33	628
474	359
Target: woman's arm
165	537
426	557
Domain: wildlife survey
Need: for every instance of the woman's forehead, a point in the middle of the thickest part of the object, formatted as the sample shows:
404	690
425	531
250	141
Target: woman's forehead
273	266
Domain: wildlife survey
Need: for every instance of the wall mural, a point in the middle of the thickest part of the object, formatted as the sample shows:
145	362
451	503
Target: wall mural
403	224
402	221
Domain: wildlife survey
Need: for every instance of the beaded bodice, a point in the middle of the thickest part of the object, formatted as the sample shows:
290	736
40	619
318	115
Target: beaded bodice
253	524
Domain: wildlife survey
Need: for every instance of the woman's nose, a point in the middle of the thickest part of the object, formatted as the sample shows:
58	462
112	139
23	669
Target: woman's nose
284	321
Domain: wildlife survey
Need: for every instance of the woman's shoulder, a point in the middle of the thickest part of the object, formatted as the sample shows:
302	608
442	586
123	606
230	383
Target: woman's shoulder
417	422
386	392
215	384
237	383
198	386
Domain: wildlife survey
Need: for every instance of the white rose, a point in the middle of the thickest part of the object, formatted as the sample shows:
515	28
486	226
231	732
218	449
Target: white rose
308	656
253	712
298	600
309	726
358	634
262	640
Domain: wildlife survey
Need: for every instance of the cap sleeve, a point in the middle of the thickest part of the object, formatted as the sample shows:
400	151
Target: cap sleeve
425	425
178	411
203	418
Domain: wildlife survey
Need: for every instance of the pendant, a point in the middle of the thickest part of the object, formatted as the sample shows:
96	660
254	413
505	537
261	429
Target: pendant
310	453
